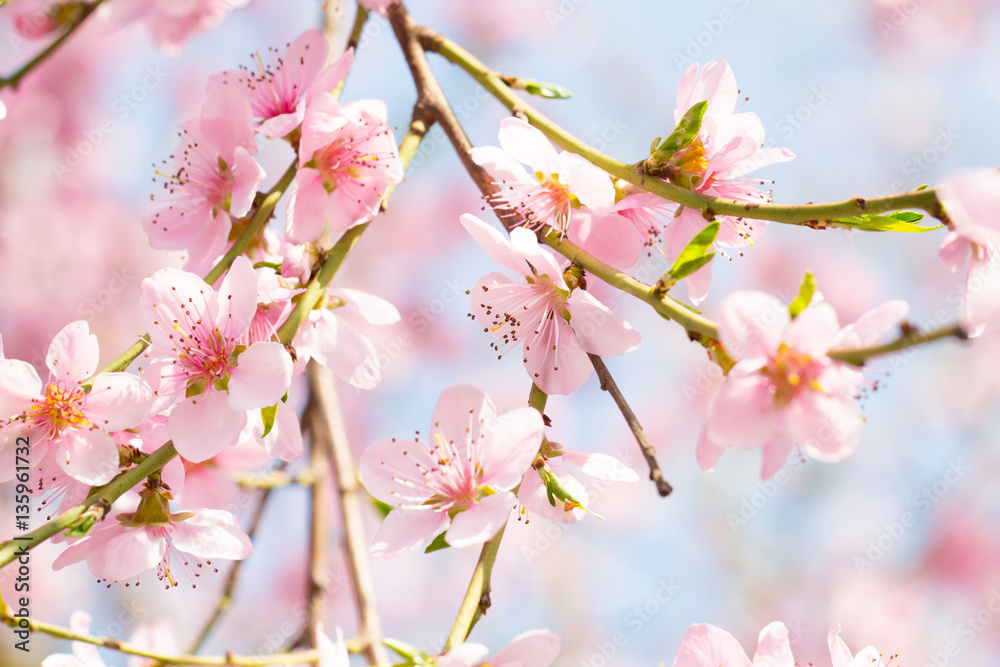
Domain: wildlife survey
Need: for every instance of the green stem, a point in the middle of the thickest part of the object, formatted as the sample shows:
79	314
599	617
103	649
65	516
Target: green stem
812	215
260	219
537	398
106	495
14	80
911	339
476	596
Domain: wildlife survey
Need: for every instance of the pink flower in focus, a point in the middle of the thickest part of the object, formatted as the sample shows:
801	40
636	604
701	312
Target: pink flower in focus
555	185
534	648
972	200
705	645
216	176
201	357
460	481
348	160
557	325
556	458
279	91
135	542
171	23
66	425
784	390
869	656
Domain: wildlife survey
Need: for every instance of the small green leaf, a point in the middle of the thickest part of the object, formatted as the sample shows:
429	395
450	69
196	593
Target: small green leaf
407	651
554	489
695	254
267	415
685	132
544	89
806	292
437	544
382	508
900	221
687	268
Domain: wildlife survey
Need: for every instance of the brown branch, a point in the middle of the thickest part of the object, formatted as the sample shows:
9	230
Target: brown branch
328	433
648	451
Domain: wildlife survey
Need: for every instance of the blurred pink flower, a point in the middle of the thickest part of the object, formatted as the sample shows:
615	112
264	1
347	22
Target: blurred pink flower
708	646
64	423
171	23
331	653
534	648
972	200
557	325
84	654
461	481
348	160
280	90
216	176
784	390
201	357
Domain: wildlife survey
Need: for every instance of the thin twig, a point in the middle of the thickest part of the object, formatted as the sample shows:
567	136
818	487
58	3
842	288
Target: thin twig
648	451
326	426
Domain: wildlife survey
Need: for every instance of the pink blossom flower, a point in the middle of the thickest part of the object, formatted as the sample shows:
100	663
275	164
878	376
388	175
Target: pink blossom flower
66	425
216	176
784	390
460	481
972	200
136	542
728	147
869	656
171	23
200	356
534	648
555	460
556	184
557	325
705	645
337	335
280	90
331	653
377	6
348	160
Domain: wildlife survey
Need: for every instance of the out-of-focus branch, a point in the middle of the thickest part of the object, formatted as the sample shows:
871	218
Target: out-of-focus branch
648	451
326	426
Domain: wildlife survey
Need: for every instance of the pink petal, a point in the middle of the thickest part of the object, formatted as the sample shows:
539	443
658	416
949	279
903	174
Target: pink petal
871	326
211	534
982	293
534	648
598	329
514	439
393	471
743	413
775	451
407	530
306	207
708	450
463	412
227	122
19	385
534	496
481	521
165	301
204	425
954	251
610	237
371	308
751	324
262	375
698	283
528	145
554	359
972	201
524	242
493	242
88	456
826	427
840	655
284	442
237	299
118	401
507	171
331	654
247	177
125	553
591	185
73	354
344	348
707	646
814	330
599	465
773	649
333	74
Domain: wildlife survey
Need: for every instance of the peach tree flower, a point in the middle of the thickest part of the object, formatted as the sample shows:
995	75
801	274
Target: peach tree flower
705	645
869	656
460	481
557	326
534	648
784	390
68	426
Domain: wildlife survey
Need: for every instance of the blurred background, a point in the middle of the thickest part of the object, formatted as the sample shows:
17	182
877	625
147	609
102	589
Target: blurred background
874	97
